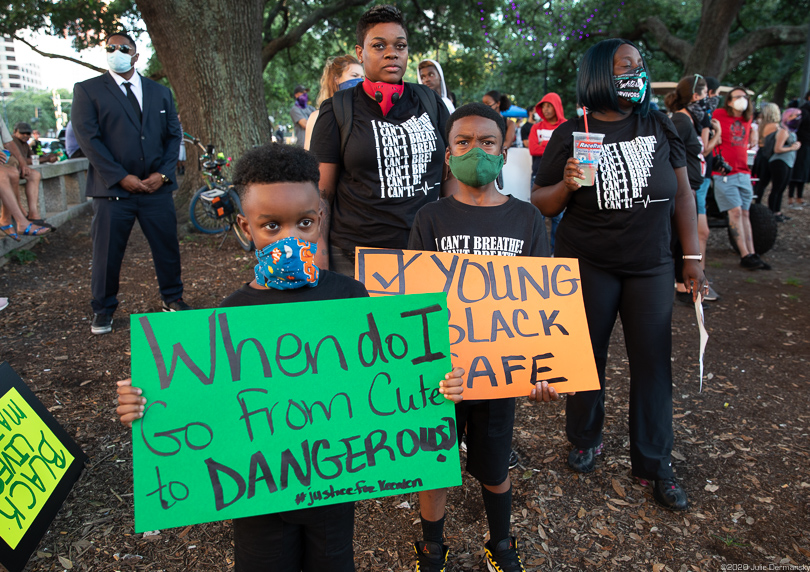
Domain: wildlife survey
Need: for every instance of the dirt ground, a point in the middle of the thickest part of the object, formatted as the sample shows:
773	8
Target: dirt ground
741	449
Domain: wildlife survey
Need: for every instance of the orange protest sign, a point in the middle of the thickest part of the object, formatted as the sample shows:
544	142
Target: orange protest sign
514	321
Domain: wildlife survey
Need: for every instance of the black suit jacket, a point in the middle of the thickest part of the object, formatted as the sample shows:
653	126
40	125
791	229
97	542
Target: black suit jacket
108	132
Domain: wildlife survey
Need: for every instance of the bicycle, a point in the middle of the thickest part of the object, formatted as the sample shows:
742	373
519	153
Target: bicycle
213	207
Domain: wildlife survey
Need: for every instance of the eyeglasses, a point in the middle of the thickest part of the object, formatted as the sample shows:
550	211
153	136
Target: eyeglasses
694	85
24	132
123	48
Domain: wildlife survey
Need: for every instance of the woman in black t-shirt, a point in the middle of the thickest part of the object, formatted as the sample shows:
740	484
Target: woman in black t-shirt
392	162
688	102
619	228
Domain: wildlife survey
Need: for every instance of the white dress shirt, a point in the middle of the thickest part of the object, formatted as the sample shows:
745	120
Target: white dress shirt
136	87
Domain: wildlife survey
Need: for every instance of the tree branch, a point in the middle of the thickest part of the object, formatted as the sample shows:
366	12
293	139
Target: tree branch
674	47
268	23
764	38
60	56
291	38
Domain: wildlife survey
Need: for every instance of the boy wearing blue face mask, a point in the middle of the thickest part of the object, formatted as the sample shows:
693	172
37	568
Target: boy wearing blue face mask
278	189
479	220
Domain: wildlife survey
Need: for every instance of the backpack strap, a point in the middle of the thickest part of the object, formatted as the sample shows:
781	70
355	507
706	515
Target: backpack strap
428	100
343	107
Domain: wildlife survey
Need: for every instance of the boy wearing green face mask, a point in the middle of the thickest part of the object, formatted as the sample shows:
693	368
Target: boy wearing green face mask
479	220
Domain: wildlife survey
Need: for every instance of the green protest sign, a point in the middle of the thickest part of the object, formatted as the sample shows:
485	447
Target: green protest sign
271	408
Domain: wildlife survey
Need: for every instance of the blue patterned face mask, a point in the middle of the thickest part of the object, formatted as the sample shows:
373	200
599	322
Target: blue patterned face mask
349	83
286	264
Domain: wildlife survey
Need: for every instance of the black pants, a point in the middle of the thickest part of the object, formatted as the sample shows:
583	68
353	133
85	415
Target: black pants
780	175
112	224
309	540
645	306
796	188
763	172
535	166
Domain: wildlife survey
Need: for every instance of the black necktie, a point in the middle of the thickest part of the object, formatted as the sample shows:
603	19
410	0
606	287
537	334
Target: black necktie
133	100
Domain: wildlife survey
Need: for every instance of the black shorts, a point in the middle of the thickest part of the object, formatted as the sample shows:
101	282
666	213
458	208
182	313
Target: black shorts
488	426
309	540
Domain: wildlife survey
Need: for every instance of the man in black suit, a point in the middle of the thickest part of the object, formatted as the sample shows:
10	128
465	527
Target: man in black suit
127	126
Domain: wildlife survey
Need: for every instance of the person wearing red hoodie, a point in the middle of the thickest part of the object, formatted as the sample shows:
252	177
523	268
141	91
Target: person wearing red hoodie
550	111
551	114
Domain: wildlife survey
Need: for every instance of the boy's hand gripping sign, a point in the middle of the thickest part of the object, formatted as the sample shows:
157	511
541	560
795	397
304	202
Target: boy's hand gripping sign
273	408
514	321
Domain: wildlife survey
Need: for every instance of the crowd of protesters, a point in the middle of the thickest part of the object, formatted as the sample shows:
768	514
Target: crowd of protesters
636	236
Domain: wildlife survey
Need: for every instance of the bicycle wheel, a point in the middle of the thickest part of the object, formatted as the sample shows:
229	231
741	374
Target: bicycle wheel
203	221
240	235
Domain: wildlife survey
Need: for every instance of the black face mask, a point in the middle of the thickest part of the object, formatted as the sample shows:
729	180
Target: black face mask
699	108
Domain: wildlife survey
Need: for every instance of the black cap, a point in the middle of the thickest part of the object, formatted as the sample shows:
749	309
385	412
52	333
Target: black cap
300	89
23	127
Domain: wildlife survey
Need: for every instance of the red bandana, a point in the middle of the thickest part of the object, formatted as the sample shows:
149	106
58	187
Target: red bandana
389	93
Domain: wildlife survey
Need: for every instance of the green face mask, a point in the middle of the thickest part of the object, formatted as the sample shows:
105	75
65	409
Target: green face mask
476	168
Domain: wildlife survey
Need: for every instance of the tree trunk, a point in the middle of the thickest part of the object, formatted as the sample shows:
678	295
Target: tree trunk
212	53
709	53
780	91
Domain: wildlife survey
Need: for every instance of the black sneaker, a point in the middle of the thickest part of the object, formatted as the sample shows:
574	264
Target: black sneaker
751	262
430	556
669	494
176	306
504	558
762	264
102	324
514	459
584	460
684	298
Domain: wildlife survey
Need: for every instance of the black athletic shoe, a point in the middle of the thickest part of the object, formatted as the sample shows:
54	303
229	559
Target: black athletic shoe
751	262
504	557
514	459
669	494
762	264
102	324
176	306
584	460
430	556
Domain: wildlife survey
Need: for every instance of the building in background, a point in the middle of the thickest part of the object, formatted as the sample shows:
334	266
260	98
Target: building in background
16	74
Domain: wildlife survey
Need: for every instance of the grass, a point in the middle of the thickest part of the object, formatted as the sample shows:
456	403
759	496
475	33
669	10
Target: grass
751	280
793	282
730	541
716	264
21	256
793	297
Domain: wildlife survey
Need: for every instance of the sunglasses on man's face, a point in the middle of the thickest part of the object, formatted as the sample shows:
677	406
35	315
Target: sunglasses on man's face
123	48
24	133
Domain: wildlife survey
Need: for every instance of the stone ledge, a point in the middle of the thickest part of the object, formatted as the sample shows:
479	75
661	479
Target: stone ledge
57	219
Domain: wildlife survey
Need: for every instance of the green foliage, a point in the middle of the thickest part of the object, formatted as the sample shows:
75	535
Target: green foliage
86	21
34	107
21	256
730	541
513	60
